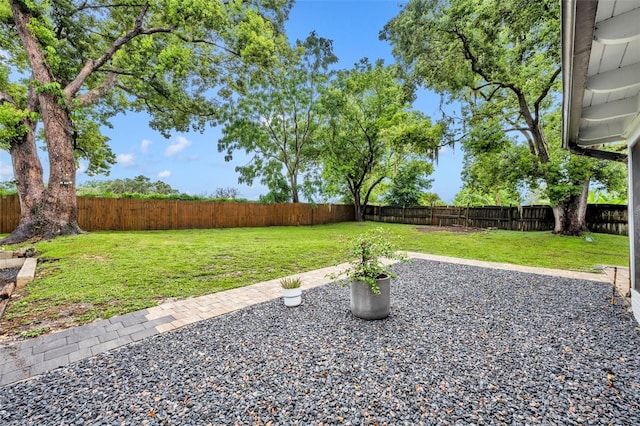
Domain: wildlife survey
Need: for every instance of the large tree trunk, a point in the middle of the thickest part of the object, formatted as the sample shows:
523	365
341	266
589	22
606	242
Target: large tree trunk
293	182
44	212
52	211
27	171
61	209
570	214
359	212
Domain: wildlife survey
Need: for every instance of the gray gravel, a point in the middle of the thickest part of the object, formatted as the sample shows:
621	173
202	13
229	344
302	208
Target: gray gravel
463	345
8	275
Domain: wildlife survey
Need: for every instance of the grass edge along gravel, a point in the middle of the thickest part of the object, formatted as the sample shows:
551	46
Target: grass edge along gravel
101	274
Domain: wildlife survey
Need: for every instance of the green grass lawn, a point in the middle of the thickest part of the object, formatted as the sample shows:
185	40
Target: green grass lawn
102	274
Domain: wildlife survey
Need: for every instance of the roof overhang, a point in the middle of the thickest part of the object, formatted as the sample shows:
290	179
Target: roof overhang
601	76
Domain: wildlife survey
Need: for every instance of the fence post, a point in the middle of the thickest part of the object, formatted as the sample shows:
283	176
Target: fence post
510	217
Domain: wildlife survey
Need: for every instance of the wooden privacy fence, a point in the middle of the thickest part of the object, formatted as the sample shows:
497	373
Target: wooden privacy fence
9	213
605	218
128	214
608	218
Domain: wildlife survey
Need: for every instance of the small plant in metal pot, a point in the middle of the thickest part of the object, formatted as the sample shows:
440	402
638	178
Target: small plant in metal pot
291	291
369	273
365	253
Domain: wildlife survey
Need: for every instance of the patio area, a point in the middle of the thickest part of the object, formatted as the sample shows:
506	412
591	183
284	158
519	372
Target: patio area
464	345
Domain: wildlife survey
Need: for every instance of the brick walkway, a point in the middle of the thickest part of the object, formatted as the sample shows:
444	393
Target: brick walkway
25	359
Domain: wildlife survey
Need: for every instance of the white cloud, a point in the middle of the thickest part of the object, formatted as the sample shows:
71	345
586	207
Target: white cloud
164	174
126	160
177	146
144	146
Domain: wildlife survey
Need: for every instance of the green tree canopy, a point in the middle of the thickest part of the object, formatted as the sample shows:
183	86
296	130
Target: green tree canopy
68	66
409	184
507	168
274	117
370	131
138	185
501	61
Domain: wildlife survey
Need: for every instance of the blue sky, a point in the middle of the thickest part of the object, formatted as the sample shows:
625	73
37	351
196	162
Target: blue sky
190	162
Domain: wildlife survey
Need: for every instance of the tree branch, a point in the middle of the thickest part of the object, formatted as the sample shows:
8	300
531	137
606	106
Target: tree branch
536	138
86	6
6	98
368	194
207	42
475	67
488	84
91	65
493	92
118	71
22	18
94	95
516	129
545	92
525	131
273	133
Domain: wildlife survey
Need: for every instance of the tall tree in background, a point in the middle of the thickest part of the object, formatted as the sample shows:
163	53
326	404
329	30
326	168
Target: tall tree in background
507	169
370	130
410	184
81	62
274	117
501	61
138	185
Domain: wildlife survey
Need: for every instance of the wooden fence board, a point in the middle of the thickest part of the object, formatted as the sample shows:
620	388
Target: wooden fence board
611	219
9	213
608	218
129	214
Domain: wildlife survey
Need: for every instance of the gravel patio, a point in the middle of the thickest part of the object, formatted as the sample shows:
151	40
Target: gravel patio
463	345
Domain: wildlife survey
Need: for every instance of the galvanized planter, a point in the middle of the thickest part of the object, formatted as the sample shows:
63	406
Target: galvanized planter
368	305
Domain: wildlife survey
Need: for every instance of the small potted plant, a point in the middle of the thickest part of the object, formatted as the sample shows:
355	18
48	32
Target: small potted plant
291	291
368	275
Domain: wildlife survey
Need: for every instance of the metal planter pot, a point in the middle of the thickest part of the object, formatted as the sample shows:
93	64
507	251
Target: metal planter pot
366	304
